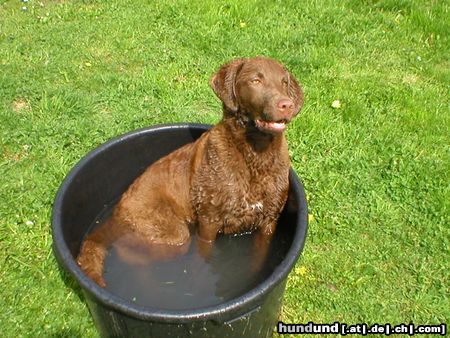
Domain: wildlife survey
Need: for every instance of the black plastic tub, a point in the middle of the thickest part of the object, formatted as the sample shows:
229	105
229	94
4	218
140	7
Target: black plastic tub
100	178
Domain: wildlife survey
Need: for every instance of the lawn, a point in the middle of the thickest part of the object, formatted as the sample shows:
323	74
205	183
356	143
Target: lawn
74	74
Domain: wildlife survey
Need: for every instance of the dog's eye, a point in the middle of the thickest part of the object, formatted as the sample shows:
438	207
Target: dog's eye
255	81
285	82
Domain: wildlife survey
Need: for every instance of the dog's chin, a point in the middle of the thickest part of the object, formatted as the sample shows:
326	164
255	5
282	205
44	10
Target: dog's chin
271	127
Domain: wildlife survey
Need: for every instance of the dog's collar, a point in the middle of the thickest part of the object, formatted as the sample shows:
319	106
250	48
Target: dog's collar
242	120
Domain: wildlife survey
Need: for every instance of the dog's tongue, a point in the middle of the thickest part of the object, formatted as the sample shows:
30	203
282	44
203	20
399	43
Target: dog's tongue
272	126
279	126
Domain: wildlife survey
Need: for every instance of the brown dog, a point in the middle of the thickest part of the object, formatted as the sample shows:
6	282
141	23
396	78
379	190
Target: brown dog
234	178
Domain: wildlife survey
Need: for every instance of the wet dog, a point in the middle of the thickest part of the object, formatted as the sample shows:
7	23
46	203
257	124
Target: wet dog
233	179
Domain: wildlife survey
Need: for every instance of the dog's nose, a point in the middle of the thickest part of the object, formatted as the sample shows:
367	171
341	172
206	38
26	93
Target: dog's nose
285	105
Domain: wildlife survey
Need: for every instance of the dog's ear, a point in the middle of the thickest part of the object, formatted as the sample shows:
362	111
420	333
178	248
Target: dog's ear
223	83
295	92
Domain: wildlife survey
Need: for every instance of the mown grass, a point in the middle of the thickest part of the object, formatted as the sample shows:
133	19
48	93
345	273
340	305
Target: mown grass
73	74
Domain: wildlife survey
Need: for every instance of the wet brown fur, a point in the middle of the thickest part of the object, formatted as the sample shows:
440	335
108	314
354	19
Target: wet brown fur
234	178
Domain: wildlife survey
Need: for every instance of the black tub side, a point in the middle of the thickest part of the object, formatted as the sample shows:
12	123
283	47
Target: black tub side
258	305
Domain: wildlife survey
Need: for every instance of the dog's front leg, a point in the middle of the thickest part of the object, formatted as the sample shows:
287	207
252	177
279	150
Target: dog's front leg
261	245
206	235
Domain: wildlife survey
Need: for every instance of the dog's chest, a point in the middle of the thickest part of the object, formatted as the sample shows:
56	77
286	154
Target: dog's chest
240	202
238	189
254	203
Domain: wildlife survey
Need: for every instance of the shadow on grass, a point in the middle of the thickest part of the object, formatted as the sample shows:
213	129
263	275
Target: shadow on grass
70	282
73	333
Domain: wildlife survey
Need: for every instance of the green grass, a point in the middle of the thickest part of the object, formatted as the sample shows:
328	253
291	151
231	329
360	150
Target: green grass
74	74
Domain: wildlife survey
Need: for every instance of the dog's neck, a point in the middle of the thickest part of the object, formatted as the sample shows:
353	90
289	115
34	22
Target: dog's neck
248	138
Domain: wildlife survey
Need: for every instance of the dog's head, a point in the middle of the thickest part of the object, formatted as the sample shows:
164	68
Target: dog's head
259	91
